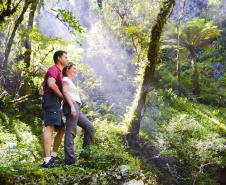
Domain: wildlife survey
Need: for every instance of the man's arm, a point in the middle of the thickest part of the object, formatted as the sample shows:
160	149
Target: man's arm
53	86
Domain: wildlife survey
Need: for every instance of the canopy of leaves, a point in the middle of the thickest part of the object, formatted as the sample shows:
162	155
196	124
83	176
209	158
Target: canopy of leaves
195	33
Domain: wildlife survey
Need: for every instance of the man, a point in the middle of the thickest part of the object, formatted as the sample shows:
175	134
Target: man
52	98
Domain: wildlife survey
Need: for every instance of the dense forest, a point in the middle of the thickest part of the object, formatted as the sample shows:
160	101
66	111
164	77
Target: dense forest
152	79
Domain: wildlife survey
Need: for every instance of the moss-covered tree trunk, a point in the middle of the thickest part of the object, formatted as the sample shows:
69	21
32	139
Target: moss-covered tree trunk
195	74
178	60
13	34
178	49
148	73
23	86
27	54
10	43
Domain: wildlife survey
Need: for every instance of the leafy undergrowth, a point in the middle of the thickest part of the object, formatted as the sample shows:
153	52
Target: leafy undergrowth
192	133
21	155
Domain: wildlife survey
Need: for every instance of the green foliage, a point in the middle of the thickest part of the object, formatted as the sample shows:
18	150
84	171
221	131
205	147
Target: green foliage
192	133
192	36
212	85
195	33
223	80
44	41
214	2
110	163
8	9
131	21
70	20
198	31
17	142
198	148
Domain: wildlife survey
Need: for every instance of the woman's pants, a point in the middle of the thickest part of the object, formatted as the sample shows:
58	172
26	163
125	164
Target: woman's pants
70	133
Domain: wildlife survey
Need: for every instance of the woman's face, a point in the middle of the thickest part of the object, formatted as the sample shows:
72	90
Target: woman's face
72	71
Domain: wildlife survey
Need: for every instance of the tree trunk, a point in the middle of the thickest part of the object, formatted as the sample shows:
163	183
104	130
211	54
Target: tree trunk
13	34
27	54
10	43
195	74
178	60
178	49
100	3
148	73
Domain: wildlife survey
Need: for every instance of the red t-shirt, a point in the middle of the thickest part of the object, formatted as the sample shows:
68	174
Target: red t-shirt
54	72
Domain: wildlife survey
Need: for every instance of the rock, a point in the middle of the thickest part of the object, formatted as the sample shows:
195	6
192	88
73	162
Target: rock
134	182
123	168
118	177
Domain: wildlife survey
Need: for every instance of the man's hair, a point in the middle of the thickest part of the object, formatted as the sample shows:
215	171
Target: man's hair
67	67
58	54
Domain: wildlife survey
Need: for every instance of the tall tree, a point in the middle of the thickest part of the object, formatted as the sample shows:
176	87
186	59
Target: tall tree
178	48
148	72
27	54
13	34
195	35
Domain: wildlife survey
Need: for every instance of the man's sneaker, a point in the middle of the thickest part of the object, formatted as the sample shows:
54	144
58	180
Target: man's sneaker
50	164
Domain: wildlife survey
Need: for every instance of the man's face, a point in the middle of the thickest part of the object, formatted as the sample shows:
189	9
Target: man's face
63	59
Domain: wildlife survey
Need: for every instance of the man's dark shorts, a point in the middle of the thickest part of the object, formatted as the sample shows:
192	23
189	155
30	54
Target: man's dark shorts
52	110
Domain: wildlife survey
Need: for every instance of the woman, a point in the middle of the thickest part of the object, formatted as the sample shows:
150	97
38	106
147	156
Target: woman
74	117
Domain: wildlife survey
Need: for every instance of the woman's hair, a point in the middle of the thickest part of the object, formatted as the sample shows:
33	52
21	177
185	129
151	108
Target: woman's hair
67	67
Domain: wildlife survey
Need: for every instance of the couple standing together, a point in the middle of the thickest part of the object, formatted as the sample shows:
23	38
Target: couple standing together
58	86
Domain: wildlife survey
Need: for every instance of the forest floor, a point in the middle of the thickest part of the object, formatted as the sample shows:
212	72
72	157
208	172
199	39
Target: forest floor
113	162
